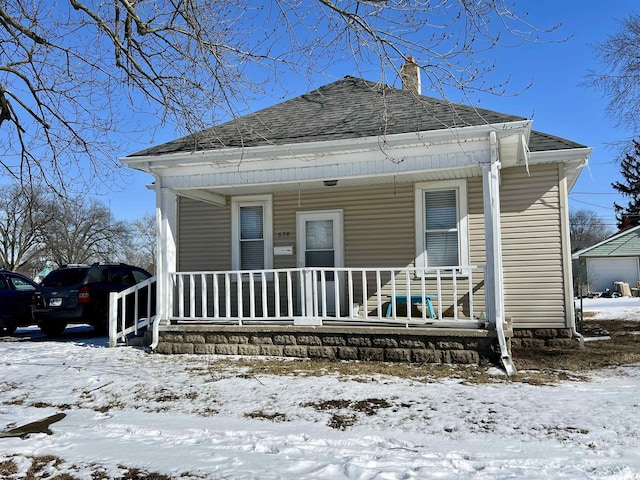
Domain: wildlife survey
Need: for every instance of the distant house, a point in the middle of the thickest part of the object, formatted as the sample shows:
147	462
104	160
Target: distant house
612	260
306	228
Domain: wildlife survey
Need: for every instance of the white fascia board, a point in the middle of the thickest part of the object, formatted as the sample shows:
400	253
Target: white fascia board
337	169
372	161
560	156
390	146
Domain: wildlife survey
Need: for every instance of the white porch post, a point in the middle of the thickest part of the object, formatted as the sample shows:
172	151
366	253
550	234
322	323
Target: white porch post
492	232
308	300
166	217
494	275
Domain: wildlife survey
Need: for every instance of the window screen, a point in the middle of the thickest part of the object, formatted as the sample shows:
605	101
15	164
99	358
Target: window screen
251	237
441	228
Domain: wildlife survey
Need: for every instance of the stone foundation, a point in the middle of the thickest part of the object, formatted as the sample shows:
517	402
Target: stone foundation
415	345
543	337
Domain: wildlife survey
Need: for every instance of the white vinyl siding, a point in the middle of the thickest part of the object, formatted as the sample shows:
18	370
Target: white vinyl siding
251	233
378	223
441	224
204	242
532	246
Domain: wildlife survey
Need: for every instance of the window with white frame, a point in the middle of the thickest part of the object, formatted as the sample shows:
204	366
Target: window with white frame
441	224
252	233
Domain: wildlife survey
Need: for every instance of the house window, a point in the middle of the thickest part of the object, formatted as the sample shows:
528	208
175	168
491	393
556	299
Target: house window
251	226
441	224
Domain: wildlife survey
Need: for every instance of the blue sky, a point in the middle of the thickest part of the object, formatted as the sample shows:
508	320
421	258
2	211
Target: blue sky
557	101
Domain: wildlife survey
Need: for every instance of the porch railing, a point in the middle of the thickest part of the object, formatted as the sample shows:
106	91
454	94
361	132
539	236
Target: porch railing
320	295
131	310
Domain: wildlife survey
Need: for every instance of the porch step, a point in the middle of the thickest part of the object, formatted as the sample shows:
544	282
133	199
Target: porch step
143	340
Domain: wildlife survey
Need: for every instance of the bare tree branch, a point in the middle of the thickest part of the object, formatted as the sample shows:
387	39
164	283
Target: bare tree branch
82	231
586	229
24	214
620	78
76	75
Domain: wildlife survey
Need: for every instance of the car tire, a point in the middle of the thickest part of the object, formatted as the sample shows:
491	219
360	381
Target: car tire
8	329
52	328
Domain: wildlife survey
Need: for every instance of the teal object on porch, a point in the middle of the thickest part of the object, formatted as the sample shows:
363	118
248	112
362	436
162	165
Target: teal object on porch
402	300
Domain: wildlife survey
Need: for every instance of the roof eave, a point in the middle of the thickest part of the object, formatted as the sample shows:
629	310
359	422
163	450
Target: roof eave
579	253
575	160
560	155
315	149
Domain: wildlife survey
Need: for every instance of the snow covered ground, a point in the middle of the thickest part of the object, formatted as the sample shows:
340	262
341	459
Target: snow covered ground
186	417
612	308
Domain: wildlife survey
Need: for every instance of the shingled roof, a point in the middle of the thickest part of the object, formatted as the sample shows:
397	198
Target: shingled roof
345	109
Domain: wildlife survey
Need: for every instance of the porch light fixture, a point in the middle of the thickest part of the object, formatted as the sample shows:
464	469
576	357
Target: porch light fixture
330	183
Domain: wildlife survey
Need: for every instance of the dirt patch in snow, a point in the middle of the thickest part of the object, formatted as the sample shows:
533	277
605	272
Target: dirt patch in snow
623	348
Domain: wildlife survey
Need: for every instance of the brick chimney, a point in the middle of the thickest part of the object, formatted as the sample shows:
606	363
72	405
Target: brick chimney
410	75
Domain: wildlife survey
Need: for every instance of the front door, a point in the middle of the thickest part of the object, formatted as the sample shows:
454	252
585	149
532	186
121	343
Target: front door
319	244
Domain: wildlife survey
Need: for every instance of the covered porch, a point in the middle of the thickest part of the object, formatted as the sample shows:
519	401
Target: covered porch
406	314
290	290
370	314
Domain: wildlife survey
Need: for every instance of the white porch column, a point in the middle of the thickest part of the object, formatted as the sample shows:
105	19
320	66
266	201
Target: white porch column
308	299
494	282
494	277
166	217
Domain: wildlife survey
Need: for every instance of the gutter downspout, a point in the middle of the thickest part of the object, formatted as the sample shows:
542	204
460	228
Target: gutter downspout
572	322
568	271
155	329
578	335
495	279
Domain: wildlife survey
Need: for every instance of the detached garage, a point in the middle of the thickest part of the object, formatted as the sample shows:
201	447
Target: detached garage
612	260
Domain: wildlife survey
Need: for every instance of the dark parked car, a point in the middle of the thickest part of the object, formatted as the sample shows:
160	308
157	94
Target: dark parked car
15	301
80	294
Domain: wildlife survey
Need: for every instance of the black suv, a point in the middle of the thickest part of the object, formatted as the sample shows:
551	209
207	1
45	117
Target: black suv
15	301
80	294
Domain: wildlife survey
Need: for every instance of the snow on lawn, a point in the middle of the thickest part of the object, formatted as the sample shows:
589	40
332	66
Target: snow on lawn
187	417
624	308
